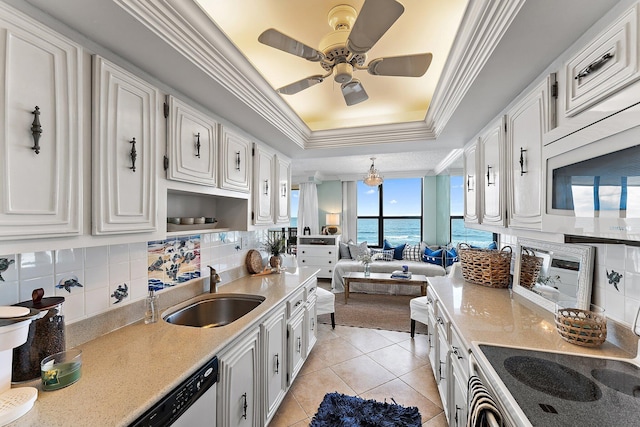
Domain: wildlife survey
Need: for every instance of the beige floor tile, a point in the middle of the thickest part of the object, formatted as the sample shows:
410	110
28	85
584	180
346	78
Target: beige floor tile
365	340
394	336
399	392
337	350
423	382
289	413
314	362
419	346
309	390
303	423
325	332
362	373
439	420
397	359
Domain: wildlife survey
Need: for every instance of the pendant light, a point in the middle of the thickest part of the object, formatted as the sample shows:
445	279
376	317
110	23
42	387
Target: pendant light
373	178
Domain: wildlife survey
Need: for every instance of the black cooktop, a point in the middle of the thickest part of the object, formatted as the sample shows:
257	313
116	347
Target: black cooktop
555	389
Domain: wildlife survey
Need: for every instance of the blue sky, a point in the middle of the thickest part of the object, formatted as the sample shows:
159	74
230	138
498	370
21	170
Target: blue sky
399	197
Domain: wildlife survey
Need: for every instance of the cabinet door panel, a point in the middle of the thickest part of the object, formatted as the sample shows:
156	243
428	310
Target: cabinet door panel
275	368
124	180
193	145
41	192
235	162
470	188
283	212
492	146
263	186
238	388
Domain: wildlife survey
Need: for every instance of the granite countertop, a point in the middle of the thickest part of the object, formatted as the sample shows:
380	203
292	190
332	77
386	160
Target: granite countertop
501	317
128	370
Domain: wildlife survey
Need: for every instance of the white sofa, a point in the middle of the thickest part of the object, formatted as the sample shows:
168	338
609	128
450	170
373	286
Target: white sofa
345	265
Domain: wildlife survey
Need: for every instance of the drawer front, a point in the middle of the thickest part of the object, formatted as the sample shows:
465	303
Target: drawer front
310	289
295	302
318	251
609	63
321	262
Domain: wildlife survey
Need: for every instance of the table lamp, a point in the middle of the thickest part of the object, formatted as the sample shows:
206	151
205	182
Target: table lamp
333	221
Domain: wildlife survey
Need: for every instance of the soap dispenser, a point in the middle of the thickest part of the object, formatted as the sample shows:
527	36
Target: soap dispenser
151	308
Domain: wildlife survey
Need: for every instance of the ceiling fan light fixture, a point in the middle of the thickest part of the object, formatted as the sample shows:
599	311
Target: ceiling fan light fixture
353	92
373	178
343	73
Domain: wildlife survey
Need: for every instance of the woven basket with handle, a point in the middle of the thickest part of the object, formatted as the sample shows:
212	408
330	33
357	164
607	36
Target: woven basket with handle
486	267
530	266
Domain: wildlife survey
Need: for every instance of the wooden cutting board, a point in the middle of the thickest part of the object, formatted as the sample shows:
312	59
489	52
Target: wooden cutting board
254	261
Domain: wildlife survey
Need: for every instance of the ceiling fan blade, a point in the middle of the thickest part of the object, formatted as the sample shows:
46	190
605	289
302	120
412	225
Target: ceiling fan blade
374	19
354	92
275	38
300	85
403	66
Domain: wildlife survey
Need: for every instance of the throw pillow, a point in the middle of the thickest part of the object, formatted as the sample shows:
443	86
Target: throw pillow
412	252
382	254
492	245
433	257
397	250
450	256
356	250
344	250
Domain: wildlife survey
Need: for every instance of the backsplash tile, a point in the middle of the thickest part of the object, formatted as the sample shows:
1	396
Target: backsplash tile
112	273
173	261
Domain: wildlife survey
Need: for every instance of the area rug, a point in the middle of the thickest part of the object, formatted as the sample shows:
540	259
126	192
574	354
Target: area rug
388	312
339	410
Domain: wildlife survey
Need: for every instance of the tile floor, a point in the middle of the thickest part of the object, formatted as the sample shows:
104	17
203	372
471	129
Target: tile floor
370	363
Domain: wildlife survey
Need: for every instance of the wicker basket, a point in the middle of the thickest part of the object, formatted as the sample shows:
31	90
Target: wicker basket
486	267
530	266
587	328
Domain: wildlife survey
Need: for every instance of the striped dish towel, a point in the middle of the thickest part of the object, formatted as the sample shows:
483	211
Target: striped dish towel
482	409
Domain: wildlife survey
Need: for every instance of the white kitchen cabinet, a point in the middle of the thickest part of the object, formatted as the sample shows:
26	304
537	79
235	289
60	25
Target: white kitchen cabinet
274	349
458	411
283	194
296	346
192	150
263	182
310	323
471	190
492	146
125	141
238	386
605	65
527	122
443	367
41	163
235	161
319	251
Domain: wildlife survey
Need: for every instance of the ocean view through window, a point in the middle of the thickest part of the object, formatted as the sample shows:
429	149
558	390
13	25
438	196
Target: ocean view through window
460	233
391	211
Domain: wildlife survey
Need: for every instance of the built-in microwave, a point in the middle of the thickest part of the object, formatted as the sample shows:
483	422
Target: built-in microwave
592	179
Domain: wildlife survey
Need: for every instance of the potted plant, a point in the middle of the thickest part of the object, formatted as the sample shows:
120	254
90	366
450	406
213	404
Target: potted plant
276	246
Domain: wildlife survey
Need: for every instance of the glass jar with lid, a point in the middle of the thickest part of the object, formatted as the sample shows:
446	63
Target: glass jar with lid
46	337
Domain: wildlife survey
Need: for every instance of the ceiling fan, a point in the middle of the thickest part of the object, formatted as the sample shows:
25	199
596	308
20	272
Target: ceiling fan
344	50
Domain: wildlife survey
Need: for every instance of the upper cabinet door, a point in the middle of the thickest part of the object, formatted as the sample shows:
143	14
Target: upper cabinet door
41	124
235	157
282	195
263	164
471	190
193	145
492	153
527	122
125	110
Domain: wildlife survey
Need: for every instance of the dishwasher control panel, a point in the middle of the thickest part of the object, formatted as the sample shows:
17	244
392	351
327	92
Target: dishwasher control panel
170	407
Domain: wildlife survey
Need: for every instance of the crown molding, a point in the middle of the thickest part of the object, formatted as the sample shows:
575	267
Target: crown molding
189	30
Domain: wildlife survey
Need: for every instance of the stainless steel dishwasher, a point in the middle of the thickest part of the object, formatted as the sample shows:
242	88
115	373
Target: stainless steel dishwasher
192	403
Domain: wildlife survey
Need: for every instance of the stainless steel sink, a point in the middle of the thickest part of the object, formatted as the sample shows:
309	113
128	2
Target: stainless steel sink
212	311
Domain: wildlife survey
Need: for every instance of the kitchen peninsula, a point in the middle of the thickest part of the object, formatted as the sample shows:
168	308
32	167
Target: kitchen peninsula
126	371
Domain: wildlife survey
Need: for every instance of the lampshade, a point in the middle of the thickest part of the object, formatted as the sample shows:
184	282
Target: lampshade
373	178
333	219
